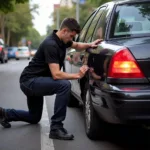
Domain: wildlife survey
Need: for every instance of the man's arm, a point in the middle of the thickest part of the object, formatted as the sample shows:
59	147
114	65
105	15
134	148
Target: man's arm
57	74
83	46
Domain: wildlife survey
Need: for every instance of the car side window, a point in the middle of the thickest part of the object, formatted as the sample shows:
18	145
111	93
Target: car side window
99	32
93	25
85	28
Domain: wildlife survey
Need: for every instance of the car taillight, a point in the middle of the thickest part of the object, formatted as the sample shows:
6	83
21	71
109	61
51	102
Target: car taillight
16	53
1	48
123	65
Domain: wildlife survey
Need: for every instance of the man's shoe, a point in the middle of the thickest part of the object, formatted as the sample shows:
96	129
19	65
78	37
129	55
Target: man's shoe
3	120
60	134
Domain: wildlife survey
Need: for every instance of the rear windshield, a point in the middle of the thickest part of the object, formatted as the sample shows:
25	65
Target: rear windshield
12	48
23	49
131	20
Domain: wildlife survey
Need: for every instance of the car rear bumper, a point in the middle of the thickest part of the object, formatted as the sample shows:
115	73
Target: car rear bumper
23	56
124	106
134	107
11	56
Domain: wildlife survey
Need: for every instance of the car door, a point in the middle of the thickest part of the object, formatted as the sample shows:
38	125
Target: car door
72	65
98	58
79	56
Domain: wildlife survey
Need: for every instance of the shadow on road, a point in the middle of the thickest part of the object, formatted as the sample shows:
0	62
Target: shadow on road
126	137
134	138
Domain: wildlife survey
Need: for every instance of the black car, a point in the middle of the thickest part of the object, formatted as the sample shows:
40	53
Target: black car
3	52
116	89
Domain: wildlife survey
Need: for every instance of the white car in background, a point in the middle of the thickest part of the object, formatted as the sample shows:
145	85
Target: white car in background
22	52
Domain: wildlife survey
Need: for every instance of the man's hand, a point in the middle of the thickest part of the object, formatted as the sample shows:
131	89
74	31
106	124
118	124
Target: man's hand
83	70
95	43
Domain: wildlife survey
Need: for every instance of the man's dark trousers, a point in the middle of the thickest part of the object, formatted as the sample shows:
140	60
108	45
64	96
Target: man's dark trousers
35	89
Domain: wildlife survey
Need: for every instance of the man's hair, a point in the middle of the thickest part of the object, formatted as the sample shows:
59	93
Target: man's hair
71	24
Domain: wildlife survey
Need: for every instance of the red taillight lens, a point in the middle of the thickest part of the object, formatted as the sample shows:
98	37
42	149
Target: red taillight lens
16	53
1	48
123	65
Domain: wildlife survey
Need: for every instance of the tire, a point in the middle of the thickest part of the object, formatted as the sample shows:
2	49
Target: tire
17	58
94	127
73	102
2	60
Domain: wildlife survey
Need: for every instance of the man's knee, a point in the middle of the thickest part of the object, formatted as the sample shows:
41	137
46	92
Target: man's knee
65	83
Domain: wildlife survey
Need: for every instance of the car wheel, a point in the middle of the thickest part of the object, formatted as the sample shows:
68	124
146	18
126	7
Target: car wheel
94	127
17	58
2	60
73	102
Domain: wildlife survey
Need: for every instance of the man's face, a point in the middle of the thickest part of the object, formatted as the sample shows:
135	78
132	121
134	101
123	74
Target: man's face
68	35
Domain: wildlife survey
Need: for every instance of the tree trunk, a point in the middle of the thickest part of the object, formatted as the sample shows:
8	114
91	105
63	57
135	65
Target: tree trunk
8	37
2	25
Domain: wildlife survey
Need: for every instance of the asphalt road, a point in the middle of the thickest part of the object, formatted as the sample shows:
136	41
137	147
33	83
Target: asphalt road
23	136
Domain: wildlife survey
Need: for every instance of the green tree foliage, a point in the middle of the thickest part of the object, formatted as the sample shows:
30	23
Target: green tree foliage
9	5
64	12
97	3
34	37
85	11
15	25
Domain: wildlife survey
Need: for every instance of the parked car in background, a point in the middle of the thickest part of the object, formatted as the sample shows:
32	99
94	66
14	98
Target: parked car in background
33	51
12	52
116	89
22	52
3	52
